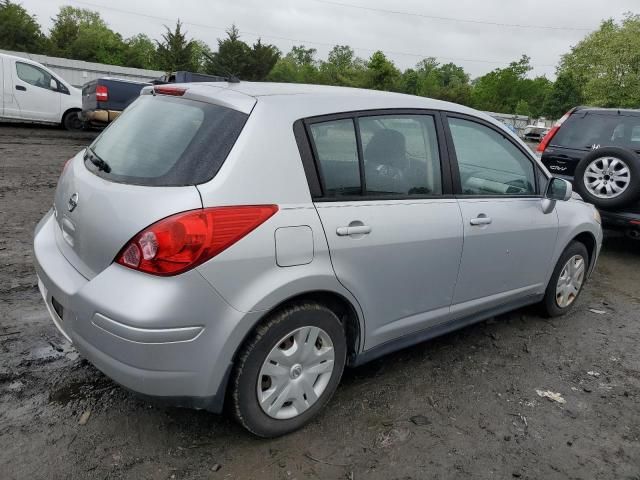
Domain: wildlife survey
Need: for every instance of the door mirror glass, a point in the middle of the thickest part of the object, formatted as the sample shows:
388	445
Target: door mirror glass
559	189
53	85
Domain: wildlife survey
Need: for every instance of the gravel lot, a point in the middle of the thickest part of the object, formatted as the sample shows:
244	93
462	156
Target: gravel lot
461	406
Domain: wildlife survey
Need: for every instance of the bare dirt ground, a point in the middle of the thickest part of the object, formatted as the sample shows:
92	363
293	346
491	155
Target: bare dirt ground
462	406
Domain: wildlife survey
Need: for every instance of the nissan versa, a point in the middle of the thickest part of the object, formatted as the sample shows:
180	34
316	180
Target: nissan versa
239	244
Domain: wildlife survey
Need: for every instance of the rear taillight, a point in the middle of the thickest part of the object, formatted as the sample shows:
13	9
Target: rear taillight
169	90
552	133
181	242
102	93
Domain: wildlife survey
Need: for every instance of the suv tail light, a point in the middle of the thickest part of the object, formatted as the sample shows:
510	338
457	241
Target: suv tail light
102	93
183	241
552	133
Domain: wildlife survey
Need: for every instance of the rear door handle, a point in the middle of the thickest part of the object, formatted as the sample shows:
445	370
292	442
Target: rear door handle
357	230
21	88
481	220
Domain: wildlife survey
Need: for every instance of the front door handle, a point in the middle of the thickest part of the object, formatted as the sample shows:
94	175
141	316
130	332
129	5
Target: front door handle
481	219
355	230
21	88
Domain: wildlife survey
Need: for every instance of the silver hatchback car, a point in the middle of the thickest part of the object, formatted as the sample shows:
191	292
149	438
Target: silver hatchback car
239	244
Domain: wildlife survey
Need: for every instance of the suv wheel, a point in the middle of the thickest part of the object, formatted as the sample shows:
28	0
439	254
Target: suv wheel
288	370
609	177
567	280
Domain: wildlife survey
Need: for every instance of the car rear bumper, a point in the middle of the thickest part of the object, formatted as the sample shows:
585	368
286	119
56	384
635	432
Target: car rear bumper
169	337
102	117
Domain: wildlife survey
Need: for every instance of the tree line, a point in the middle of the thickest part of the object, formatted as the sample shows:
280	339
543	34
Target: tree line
601	70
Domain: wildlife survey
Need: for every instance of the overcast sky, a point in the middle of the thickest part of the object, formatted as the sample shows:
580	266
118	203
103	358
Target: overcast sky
478	47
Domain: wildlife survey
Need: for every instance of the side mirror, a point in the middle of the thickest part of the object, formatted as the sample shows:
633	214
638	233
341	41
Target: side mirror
558	189
53	85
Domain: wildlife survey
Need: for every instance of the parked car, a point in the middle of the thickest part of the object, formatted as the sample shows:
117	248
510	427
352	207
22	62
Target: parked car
598	150
33	93
263	236
533	133
104	99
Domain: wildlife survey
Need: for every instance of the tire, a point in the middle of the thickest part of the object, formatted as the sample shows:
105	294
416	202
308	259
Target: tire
602	195
289	410
71	121
552	305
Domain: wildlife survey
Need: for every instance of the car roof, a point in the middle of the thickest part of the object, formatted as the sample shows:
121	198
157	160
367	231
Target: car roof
316	95
584	109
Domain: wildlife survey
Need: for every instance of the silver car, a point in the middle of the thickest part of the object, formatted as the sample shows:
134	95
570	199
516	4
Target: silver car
241	243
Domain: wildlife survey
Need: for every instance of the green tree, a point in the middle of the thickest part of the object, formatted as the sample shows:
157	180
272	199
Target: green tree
19	31
233	57
563	96
176	51
522	108
141	52
263	58
82	34
202	54
342	67
606	64
297	66
381	73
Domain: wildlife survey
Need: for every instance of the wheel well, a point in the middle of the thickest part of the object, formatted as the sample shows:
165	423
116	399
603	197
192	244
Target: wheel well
69	110
338	304
589	241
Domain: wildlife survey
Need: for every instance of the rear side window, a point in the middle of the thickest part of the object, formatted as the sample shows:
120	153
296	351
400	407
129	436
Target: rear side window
399	156
593	130
165	141
337	152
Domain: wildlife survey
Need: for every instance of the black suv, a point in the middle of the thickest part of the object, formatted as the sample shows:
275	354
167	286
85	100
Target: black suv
598	149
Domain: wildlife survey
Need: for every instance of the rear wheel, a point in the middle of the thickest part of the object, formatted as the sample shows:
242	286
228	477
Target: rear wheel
567	280
71	121
608	177
288	370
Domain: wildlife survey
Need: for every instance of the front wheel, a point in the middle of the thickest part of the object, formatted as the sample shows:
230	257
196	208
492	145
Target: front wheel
288	370
567	280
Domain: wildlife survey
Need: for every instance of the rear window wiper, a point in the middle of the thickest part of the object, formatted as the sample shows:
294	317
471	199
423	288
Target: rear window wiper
97	161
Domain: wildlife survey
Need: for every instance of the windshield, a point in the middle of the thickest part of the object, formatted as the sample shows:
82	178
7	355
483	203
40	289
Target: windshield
166	141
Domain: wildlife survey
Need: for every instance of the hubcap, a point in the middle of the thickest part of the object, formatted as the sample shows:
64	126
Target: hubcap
295	373
570	281
607	177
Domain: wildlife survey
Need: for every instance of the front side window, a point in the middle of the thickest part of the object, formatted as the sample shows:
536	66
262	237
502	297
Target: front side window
33	75
399	156
489	163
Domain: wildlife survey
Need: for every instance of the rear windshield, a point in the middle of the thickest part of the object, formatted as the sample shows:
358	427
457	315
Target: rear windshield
166	141
586	131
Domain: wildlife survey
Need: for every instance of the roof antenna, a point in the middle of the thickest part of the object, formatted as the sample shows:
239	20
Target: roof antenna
233	79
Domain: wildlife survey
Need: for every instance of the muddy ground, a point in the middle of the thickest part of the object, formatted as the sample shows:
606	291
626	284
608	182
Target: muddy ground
462	406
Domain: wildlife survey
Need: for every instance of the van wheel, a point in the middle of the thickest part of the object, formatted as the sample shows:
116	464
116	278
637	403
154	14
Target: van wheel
567	280
288	370
608	177
71	121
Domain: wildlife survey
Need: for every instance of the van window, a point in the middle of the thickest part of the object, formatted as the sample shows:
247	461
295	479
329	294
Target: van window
599	129
34	76
166	141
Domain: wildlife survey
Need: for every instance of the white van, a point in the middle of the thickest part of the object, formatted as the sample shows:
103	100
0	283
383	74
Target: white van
33	93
